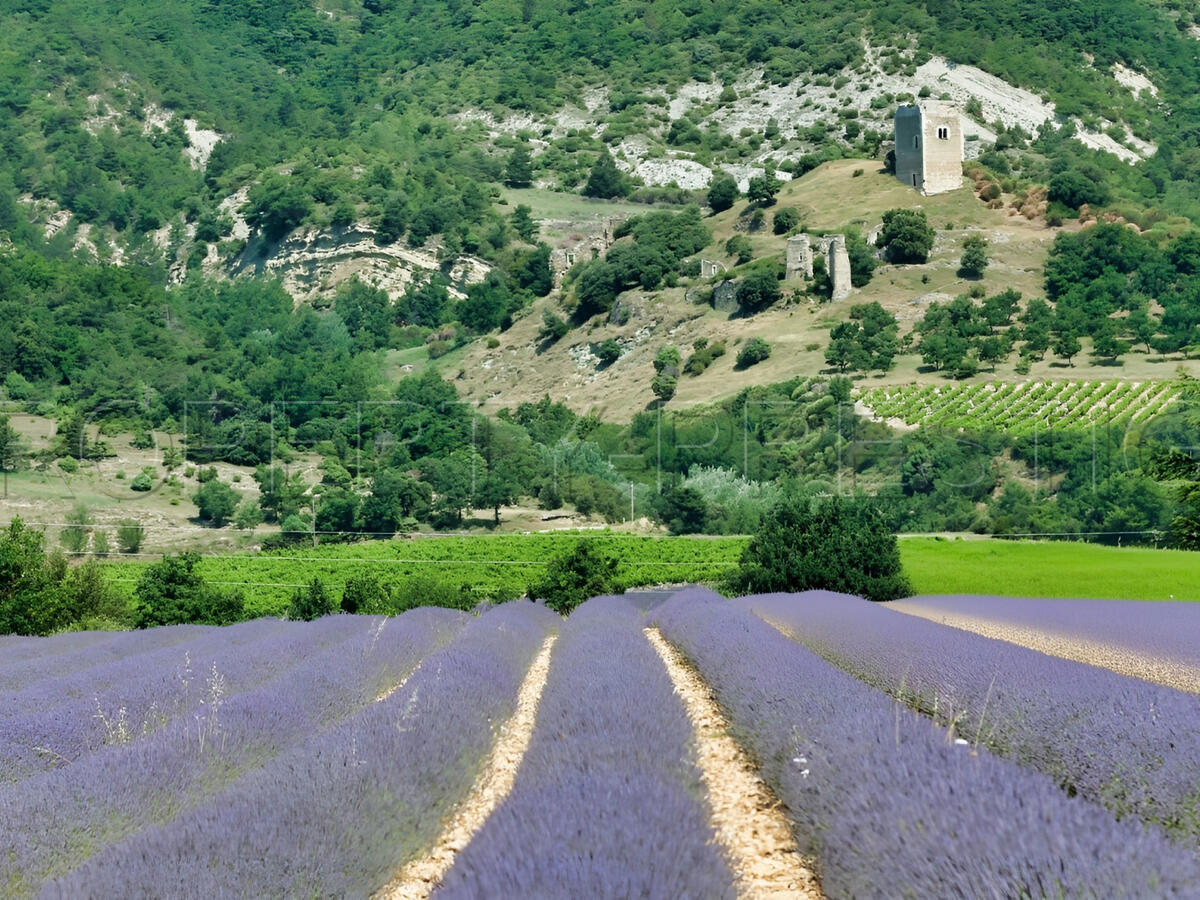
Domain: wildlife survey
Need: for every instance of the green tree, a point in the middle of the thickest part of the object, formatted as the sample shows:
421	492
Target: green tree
664	385
1106	344
1067	347
907	236
1180	469
862	258
130	535
518	170
974	256
753	352
523	223
276	205
553	327
365	595
722	192
28	586
216	502
608	352
74	535
785	220
311	602
668	359
757	291
577	575
761	189
605	180
12	449
738	246
172	592
828	544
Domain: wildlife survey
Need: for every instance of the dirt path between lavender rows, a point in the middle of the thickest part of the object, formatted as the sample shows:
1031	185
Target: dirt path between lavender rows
746	816
420	878
1123	660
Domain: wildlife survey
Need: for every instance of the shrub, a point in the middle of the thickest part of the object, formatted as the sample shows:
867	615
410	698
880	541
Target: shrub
974	257
722	192
172	592
608	352
216	502
755	351
130	535
785	220
575	576
141	482
739	247
310	602
757	291
365	595
830	544
664	386
907	236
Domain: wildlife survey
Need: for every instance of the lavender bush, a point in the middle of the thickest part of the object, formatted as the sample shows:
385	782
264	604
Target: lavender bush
338	814
608	801
886	803
1165	630
55	721
1125	743
60	818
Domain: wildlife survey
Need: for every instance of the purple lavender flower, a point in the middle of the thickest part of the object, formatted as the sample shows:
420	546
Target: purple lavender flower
1122	742
337	814
608	801
888	805
60	818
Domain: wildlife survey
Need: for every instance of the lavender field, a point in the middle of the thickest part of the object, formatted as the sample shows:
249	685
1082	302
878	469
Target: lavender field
517	753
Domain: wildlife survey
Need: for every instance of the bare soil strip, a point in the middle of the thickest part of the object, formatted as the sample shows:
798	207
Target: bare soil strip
420	877
746	815
1123	660
383	695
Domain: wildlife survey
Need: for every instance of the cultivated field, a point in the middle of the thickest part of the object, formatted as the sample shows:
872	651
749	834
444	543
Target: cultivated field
656	745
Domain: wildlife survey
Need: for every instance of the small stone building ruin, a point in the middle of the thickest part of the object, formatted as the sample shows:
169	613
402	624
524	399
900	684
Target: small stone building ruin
837	261
929	146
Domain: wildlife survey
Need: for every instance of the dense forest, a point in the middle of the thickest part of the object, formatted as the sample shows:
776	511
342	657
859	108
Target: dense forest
340	113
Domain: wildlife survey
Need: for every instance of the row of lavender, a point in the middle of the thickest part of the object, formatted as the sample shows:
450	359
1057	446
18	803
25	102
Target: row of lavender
1164	630
886	804
608	801
338	810
61	708
1132	746
59	818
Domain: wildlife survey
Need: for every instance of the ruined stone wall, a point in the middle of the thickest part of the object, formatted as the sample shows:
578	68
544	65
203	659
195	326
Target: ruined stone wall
799	257
909	140
837	261
943	147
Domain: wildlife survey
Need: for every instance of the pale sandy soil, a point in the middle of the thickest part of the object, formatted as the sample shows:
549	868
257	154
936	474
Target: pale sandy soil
420	877
1168	672
746	816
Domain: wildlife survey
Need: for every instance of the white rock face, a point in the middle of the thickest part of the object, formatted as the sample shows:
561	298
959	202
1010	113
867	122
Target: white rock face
314	263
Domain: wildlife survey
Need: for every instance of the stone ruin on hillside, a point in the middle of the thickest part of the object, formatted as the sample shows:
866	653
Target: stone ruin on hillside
929	146
837	261
581	248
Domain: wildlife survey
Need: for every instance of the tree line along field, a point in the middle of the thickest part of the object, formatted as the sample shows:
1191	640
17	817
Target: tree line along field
894	756
501	567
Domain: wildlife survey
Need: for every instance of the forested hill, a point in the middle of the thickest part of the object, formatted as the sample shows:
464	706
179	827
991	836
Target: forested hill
98	99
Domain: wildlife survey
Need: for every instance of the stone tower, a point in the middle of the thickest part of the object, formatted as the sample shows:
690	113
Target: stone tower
799	257
837	261
929	146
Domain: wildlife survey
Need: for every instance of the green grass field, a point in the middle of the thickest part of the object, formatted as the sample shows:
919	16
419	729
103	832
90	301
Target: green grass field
503	565
1050	569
